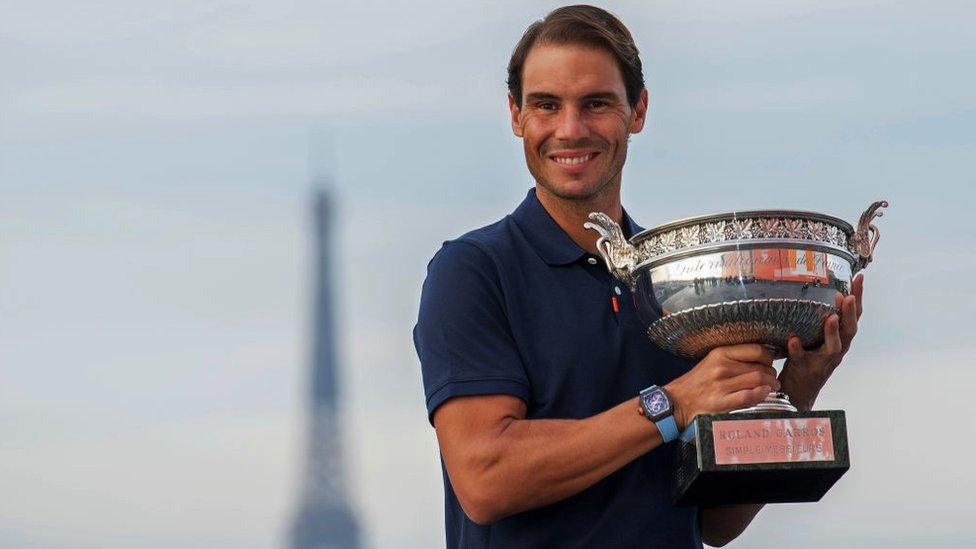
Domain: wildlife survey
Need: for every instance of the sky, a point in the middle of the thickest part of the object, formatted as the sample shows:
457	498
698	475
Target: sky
157	163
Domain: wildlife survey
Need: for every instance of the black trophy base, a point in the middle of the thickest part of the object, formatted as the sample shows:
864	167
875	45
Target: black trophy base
760	457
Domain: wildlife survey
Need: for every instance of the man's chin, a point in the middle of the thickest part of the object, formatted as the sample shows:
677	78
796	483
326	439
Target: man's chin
576	191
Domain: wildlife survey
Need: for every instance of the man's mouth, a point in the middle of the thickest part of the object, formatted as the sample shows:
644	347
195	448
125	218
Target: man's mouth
573	159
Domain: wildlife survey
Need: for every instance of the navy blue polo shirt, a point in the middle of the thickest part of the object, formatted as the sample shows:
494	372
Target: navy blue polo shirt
518	308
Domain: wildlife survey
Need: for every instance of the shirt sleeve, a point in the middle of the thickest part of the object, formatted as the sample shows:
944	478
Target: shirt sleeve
463	336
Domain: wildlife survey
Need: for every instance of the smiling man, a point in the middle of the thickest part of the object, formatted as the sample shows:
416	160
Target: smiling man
532	354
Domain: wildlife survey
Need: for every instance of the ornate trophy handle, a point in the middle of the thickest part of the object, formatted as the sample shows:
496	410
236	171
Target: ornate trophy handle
866	235
620	255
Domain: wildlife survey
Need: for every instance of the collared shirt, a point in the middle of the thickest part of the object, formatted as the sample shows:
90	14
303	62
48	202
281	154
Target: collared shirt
519	308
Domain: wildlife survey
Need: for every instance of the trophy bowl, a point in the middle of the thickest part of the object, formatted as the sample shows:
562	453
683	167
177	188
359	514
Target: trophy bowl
741	277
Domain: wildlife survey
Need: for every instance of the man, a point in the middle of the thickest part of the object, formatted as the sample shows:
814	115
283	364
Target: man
532	355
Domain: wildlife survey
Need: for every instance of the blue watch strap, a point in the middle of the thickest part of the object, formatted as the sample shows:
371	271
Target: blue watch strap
668	428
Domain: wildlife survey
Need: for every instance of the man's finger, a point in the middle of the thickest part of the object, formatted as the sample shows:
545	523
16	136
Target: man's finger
750	380
795	349
732	369
746	397
858	290
848	322
832	344
749	352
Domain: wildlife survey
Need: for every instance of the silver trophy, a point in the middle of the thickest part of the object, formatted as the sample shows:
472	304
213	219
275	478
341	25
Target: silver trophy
746	277
741	277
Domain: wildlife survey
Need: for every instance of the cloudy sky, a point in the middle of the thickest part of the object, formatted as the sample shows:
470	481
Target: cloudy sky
156	168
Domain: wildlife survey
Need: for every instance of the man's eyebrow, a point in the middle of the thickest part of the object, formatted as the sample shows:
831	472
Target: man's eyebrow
535	97
541	96
606	96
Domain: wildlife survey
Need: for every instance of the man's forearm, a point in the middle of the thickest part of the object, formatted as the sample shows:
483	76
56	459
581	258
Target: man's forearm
722	524
534	462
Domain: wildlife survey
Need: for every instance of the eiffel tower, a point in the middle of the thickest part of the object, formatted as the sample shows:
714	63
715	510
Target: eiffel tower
325	518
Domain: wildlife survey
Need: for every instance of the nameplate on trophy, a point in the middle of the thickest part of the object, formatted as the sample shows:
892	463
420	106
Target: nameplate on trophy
773	440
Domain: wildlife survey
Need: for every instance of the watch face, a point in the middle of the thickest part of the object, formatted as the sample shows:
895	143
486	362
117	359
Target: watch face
657	403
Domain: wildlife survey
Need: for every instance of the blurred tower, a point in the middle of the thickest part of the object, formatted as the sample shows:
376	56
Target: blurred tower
325	518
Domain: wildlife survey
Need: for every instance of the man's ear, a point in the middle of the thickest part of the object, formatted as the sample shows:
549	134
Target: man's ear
640	113
516	115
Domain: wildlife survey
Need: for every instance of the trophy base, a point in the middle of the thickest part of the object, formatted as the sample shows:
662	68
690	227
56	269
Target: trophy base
760	457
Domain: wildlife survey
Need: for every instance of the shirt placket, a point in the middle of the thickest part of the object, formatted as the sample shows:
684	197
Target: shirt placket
615	291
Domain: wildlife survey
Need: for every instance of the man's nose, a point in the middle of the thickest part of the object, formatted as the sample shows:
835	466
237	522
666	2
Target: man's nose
571	125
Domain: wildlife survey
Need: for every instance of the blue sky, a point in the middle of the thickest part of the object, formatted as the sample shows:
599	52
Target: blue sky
155	179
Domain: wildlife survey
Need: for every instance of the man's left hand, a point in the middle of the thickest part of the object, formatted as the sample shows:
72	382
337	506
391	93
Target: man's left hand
806	371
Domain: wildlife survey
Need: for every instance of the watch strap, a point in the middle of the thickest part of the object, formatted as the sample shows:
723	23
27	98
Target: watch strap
668	428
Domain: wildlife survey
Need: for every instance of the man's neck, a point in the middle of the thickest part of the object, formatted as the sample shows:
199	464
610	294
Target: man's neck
570	215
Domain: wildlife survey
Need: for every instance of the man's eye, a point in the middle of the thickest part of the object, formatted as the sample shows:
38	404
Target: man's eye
596	104
547	106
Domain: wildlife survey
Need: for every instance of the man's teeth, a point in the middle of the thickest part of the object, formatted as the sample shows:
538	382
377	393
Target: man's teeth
571	160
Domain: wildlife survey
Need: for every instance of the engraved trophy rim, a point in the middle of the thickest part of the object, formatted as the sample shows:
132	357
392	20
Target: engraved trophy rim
738	215
742	244
803	236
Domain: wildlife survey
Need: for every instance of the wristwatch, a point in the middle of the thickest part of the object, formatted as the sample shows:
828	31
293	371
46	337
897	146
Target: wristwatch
655	405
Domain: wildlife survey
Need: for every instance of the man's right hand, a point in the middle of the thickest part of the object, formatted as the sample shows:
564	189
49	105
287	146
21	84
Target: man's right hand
728	378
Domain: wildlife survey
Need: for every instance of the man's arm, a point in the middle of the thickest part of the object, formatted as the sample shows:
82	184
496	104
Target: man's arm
500	463
802	378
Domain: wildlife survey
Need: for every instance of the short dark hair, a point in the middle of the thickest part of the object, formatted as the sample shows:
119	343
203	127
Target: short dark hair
585	25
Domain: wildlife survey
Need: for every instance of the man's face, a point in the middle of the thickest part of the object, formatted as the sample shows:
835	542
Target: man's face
575	119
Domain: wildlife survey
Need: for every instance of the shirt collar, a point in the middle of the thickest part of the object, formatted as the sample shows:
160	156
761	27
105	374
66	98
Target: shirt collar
549	240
